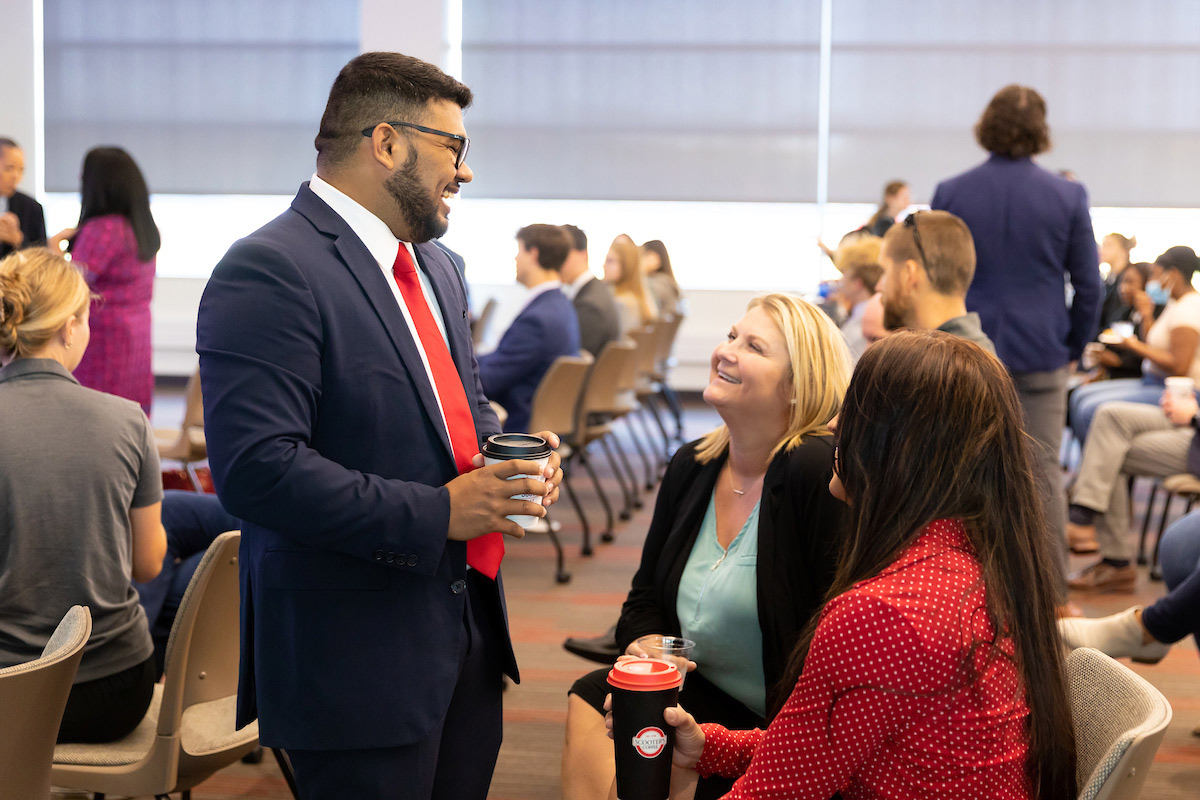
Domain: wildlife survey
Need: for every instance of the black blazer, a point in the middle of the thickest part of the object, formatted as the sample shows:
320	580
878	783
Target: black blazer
33	222
798	534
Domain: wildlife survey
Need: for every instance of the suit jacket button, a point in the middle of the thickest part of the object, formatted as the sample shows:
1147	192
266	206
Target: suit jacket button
412	561
391	558
378	554
458	587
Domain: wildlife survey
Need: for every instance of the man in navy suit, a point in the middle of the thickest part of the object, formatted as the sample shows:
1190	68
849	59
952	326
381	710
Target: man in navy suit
1033	235
338	381
545	328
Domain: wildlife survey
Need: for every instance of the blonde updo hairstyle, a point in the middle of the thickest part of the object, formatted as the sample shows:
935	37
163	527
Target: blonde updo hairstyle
39	291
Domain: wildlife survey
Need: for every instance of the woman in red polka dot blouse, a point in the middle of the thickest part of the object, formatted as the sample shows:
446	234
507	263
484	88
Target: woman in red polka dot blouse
935	670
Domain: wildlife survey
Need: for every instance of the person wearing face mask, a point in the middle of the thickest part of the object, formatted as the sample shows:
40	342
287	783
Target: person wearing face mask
1166	344
344	417
741	545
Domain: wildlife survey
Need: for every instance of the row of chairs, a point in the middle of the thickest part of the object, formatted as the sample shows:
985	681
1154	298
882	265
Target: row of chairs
187	733
582	399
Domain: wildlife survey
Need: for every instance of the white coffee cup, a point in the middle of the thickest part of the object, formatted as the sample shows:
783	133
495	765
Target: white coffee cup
503	447
1180	386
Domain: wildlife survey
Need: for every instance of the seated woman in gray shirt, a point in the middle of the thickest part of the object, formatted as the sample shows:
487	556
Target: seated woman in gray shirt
80	500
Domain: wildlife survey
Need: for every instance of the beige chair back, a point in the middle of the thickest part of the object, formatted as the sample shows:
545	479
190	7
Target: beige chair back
602	392
188	443
32	697
646	339
188	733
1119	718
557	396
666	345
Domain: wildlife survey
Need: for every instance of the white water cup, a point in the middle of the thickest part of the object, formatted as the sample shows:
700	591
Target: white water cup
1180	386
503	447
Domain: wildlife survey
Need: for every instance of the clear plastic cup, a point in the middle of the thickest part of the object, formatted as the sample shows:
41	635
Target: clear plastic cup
674	649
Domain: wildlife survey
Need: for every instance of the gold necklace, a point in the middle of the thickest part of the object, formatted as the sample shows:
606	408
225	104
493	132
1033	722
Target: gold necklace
737	491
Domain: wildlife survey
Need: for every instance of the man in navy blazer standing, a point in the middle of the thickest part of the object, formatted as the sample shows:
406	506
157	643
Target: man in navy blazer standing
1033	235
545	328
343	415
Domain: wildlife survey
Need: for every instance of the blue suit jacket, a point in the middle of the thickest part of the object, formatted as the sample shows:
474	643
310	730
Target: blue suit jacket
544	330
325	438
1033	232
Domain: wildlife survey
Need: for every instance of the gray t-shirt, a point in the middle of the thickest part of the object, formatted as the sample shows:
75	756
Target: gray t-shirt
968	327
73	462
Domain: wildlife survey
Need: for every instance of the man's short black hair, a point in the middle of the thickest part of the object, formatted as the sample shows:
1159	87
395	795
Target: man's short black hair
6	143
380	87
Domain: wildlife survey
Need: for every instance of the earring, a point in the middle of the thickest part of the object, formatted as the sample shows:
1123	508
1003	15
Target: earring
68	345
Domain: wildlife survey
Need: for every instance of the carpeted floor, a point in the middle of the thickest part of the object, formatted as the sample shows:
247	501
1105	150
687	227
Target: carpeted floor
543	613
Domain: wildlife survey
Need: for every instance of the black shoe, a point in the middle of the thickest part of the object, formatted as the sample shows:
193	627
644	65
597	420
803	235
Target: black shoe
602	649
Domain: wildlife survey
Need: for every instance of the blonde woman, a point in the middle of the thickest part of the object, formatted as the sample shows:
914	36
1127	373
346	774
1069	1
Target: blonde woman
80	500
741	546
623	269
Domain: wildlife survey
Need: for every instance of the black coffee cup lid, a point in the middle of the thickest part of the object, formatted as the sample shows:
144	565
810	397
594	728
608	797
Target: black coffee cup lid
516	445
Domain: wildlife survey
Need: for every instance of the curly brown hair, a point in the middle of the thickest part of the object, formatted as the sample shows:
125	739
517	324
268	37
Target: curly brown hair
1014	123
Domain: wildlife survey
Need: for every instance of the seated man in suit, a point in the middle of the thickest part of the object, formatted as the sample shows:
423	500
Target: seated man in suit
545	329
22	221
595	305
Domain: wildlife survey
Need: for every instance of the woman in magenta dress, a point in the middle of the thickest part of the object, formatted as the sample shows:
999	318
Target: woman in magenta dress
116	242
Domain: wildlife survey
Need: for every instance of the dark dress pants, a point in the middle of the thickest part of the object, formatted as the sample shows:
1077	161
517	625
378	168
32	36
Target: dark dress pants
456	760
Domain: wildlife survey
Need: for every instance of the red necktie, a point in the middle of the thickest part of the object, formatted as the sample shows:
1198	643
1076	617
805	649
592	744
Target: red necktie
485	552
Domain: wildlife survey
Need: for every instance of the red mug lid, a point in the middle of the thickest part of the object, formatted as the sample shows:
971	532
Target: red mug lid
645	675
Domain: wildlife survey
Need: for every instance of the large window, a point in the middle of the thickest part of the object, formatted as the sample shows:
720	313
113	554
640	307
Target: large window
713	100
210	96
643	100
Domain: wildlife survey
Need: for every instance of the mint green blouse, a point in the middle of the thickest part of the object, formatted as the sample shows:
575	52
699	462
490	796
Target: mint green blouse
717	606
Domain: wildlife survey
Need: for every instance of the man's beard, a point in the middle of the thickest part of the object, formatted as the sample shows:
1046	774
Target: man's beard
895	311
419	210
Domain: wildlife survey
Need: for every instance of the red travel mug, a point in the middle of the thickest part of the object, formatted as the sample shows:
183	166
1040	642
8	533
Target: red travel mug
642	689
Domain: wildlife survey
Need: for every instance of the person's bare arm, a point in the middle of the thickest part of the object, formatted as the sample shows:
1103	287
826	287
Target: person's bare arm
149	541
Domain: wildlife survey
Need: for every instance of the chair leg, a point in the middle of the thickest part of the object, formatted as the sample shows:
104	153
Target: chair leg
634	489
652	406
676	408
647	469
285	767
1155	569
607	535
560	574
627	510
583	520
1141	558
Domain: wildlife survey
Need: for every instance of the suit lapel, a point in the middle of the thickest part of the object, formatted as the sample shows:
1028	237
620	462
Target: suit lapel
365	269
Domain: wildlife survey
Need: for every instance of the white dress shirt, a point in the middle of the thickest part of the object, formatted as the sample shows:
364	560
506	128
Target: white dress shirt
571	290
383	245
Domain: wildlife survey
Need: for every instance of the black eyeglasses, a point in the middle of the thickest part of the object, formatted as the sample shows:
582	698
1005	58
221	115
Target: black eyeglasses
911	222
460	155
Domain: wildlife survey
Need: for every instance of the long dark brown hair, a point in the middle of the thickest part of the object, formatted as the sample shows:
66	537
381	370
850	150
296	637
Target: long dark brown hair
931	429
113	184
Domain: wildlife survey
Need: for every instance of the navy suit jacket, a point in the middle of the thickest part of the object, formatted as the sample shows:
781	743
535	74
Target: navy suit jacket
1033	233
325	438
544	330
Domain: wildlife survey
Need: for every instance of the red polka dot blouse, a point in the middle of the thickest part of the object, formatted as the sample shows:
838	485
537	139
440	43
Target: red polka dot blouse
885	707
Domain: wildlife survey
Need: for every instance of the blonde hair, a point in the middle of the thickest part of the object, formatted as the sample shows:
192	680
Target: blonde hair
39	291
633	281
818	374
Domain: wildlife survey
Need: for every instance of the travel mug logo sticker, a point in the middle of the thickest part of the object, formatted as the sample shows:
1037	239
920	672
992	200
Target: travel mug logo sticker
650	742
